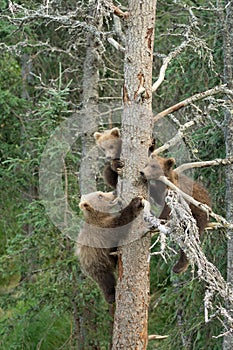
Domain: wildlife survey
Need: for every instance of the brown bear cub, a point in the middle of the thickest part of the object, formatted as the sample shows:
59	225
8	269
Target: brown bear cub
158	166
110	142
105	228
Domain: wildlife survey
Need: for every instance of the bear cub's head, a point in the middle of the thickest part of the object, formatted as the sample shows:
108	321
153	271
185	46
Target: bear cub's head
92	204
158	166
110	142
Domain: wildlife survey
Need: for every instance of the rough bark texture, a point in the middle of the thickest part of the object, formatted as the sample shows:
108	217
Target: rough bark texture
228	74
89	114
89	165
132	297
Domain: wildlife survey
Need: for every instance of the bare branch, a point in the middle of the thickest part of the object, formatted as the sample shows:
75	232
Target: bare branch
200	205
68	20
156	336
118	28
166	61
115	44
203	164
184	231
152	220
178	137
190	40
196	97
213	226
44	47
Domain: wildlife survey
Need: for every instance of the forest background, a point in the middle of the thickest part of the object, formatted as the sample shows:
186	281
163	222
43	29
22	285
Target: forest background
46	302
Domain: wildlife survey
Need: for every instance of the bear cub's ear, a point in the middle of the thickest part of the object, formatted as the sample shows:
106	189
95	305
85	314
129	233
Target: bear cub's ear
97	135
84	206
170	162
115	132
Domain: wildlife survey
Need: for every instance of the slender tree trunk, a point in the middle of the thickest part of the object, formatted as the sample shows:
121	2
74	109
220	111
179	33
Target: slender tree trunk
85	322
89	114
228	75
32	187
132	298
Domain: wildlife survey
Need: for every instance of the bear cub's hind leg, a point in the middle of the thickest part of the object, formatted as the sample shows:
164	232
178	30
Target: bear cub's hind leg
106	281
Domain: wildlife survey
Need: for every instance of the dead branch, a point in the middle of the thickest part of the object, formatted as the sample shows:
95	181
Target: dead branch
178	137
115	44
156	337
166	62
118	28
202	206
213	226
184	231
159	227
190	40
196	97
69	20
204	164
150	219
43	46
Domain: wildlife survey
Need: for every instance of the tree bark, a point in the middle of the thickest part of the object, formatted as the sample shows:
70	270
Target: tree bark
85	323
89	114
228	75
132	293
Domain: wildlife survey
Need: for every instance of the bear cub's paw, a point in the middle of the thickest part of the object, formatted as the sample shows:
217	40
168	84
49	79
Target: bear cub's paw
137	202
117	165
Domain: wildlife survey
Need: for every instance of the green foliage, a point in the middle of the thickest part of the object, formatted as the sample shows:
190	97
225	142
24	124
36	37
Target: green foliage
46	302
177	307
39	273
44	329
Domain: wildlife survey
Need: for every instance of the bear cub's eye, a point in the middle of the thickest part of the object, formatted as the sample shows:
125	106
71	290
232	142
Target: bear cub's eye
100	196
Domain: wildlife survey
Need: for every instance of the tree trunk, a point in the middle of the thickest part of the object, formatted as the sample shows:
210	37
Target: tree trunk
132	294
89	113
86	323
228	75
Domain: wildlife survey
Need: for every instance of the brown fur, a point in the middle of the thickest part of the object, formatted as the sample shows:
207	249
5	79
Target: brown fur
158	166
110	142
104	229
